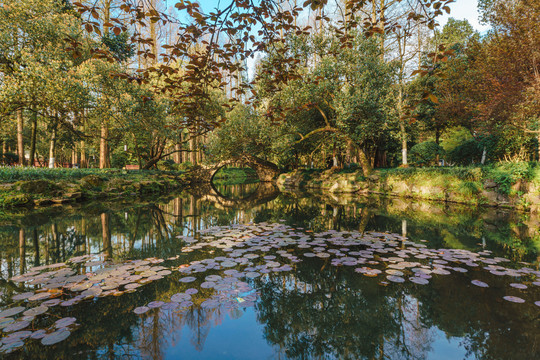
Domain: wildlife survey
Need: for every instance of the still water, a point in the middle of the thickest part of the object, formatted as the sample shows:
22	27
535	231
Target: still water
315	277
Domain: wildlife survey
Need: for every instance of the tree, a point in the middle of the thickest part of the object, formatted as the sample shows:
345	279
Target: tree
342	99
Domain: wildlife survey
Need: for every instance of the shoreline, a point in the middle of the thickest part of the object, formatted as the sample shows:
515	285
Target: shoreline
470	189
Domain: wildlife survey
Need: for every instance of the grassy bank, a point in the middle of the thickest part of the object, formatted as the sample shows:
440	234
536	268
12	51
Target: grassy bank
514	185
38	187
234	175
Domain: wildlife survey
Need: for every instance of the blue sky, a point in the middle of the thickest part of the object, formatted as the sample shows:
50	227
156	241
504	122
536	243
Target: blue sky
465	9
461	9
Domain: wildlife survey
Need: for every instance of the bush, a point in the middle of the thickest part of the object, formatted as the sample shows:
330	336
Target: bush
168	164
425	153
466	153
9	158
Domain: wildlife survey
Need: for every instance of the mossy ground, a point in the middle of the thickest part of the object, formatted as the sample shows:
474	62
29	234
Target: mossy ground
514	185
48	186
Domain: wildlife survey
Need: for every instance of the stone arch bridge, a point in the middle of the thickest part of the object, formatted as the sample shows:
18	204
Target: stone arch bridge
266	171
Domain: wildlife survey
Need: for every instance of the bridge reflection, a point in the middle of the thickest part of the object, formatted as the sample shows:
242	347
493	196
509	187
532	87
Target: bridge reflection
258	194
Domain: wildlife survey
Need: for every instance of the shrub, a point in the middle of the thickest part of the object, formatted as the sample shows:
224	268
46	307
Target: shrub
9	158
466	153
425	153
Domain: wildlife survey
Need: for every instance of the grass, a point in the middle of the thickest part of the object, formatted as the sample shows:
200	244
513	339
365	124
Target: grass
21	186
504	174
11	174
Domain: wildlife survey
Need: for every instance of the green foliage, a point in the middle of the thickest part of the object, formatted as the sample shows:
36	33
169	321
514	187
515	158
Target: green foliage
246	131
461	173
9	158
119	46
13	174
455	137
426	153
505	174
467	152
342	100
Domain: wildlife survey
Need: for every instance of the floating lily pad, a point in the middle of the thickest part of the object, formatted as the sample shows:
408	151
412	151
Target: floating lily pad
170	306
141	310
155	304
17	325
186	303
40	296
52	302
514	299
479	283
518	286
187	279
440	271
55	337
36	311
65	322
22	296
39	334
208	284
11	311
418	280
5	322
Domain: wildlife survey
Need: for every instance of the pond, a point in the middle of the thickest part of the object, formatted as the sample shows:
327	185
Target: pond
247	272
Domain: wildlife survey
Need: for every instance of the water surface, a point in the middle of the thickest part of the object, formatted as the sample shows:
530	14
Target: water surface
318	309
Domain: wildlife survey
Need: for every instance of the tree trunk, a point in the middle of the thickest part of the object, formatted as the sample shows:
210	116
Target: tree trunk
538	138
33	139
20	139
74	155
104	160
52	148
178	154
334	156
402	129
84	161
193	146
364	162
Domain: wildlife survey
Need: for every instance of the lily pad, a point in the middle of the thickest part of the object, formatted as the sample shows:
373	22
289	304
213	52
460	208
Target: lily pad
479	283
418	280
396	279
155	304
141	310
36	311
518	286
65	322
22	296
16	326
12	311
40	296
514	299
55	337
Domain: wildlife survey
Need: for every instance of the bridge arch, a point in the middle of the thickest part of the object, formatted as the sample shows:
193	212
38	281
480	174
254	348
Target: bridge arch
266	171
